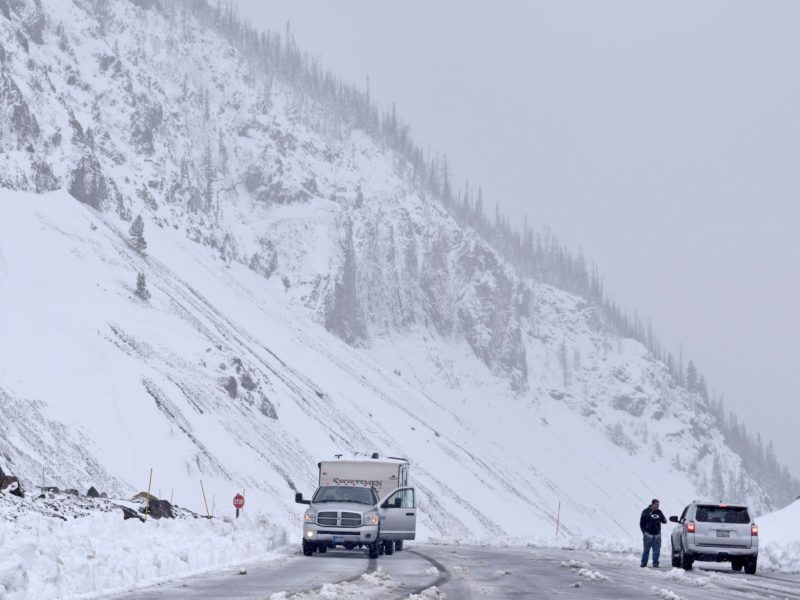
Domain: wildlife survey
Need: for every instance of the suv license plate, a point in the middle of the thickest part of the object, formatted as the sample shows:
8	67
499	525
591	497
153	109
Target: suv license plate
723	534
339	539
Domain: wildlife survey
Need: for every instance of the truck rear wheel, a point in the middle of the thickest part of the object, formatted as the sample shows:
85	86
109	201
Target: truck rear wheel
398	545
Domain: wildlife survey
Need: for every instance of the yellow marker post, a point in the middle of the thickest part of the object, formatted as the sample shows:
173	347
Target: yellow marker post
149	483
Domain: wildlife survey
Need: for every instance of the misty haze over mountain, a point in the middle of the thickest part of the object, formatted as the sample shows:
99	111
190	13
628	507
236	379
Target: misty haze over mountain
663	140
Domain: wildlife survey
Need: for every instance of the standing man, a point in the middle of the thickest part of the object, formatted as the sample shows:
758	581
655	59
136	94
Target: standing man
650	524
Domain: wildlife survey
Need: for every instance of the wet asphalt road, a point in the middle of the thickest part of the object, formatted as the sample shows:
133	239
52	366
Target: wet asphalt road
580	574
469	572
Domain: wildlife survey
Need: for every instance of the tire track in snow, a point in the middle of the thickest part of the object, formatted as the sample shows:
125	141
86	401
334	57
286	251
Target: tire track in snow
444	575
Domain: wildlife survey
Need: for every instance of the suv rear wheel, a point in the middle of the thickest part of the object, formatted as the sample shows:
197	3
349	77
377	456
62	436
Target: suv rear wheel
686	560
676	558
750	566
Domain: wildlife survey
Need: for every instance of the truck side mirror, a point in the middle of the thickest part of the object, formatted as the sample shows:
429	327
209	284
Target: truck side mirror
298	497
673	519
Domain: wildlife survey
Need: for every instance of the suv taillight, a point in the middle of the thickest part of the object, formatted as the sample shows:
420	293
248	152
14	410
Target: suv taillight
754	529
690	527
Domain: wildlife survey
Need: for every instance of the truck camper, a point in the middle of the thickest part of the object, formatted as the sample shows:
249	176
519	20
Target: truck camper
385	474
363	501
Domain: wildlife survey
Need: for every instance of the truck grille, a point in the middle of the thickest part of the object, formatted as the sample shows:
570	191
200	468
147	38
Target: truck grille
350	519
329	519
335	519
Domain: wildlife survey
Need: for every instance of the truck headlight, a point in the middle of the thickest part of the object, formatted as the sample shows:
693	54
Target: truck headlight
309	517
371	518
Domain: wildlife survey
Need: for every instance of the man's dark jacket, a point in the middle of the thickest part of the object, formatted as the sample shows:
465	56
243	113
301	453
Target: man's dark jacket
651	521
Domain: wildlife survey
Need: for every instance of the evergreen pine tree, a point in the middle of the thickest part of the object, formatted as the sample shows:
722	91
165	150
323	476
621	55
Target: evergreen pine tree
717	478
137	235
692	382
344	316
141	287
564	363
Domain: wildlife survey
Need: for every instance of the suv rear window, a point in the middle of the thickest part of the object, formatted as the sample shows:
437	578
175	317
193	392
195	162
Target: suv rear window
722	514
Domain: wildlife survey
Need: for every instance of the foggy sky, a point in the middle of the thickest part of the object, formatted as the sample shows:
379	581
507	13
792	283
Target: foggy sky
661	138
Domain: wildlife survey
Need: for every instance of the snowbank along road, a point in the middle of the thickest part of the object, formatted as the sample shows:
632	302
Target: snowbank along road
466	572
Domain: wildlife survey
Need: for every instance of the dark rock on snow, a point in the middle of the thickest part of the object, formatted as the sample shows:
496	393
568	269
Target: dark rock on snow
129	513
157	509
160	509
11	485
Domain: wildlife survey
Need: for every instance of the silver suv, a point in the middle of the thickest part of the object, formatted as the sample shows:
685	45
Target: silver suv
716	533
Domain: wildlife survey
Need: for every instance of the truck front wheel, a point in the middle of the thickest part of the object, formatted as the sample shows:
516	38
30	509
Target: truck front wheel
388	547
374	550
308	549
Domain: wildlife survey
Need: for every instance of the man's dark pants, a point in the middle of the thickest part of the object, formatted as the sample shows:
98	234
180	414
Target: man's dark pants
654	542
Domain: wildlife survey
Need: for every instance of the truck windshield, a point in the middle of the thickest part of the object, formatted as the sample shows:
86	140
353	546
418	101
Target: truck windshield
331	493
722	514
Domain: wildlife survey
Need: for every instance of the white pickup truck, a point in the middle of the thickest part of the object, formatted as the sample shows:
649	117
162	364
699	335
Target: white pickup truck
363	502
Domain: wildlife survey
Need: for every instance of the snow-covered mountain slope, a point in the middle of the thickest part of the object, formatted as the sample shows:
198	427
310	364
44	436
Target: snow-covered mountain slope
308	298
219	378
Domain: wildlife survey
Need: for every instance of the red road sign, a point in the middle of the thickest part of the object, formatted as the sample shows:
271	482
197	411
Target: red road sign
238	501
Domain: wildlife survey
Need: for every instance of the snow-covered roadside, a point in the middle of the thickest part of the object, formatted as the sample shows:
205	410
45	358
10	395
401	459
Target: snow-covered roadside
597	543
780	539
780	557
98	555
